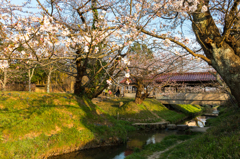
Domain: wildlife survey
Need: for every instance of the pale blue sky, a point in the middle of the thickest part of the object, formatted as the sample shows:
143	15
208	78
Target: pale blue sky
20	2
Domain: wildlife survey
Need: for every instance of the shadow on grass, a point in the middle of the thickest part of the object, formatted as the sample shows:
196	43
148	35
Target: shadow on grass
150	111
114	102
33	124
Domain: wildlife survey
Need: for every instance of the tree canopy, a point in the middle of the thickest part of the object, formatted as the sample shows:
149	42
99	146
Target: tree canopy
91	29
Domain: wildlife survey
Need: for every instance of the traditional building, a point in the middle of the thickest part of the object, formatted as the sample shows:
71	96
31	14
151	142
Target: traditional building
178	82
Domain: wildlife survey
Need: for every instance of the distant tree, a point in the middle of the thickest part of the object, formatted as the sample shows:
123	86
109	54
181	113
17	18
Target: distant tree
39	75
215	25
145	66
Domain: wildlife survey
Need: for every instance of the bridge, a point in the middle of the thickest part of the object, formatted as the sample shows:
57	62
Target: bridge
188	98
184	88
193	98
177	82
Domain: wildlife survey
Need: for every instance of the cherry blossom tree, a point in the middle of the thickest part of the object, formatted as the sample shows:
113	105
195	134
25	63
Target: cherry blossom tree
93	30
34	39
92	35
215	25
145	66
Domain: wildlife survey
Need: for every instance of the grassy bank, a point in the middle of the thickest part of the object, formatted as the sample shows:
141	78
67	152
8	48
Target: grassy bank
34	125
220	141
150	110
188	109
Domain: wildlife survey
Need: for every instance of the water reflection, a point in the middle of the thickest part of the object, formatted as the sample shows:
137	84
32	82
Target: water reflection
158	137
114	152
151	140
120	156
136	140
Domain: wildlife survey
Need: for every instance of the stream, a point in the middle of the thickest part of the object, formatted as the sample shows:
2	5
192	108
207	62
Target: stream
137	139
199	121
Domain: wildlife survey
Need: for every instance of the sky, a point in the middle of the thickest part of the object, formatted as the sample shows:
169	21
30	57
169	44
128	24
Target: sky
20	2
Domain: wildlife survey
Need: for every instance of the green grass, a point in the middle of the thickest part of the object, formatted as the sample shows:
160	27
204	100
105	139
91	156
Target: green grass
188	109
134	112
221	141
33	125
163	112
165	143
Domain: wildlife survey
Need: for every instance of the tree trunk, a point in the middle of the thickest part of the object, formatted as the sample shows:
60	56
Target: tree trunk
79	89
139	98
30	75
227	65
5	79
223	58
29	80
4	82
48	81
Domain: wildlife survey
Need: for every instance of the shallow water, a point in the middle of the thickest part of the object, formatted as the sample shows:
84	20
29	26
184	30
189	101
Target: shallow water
136	140
199	121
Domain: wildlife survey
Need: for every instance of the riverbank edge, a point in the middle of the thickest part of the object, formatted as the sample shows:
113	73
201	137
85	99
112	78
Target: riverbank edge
37	144
151	151
223	128
221	141
26	100
189	116
109	142
95	144
162	125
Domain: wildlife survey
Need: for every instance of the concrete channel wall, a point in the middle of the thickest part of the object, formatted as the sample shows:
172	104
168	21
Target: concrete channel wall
193	98
189	98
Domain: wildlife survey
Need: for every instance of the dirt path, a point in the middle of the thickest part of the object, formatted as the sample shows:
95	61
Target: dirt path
156	155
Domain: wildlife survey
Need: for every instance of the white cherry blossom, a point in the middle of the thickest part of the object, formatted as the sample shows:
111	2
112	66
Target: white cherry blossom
127	75
86	48
109	82
204	8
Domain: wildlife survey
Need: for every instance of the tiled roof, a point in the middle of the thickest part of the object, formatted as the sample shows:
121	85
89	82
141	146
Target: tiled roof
182	77
125	79
186	77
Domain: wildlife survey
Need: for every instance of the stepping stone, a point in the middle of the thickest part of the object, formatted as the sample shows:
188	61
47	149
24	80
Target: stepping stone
172	126
182	127
210	115
204	129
